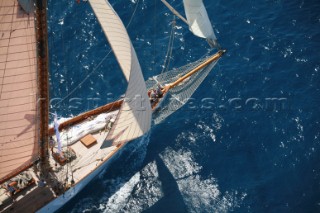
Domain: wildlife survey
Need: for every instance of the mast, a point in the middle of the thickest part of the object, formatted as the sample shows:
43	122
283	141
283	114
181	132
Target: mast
42	70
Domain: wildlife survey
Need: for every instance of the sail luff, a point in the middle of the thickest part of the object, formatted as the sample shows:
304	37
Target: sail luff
132	121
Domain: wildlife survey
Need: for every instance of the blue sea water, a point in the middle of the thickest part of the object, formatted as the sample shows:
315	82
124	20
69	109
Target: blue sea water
241	153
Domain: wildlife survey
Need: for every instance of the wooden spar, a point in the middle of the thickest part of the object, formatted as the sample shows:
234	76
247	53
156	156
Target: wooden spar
195	70
174	11
167	87
43	79
75	120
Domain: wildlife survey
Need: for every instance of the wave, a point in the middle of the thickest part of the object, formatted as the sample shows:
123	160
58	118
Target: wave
147	187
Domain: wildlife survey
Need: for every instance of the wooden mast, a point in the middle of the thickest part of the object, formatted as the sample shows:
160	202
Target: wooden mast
195	70
43	72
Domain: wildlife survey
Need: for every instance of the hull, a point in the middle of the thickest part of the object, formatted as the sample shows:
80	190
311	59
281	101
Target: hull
59	202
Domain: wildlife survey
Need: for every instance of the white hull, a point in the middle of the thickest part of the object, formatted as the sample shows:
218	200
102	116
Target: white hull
58	202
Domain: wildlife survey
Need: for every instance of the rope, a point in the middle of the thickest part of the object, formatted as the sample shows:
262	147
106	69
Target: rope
95	69
155	30
134	11
82	82
170	47
179	95
88	160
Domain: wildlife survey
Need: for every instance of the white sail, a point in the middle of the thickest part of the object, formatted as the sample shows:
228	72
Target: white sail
134	118
198	20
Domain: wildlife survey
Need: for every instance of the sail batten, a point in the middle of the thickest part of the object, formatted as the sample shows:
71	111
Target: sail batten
134	117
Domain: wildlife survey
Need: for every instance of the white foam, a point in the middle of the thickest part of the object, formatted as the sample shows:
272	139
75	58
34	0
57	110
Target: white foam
140	192
84	205
118	201
203	130
198	193
299	136
144	188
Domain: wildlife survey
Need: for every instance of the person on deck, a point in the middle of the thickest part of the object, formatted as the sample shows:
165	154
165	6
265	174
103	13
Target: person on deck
51	144
153	96
159	92
11	189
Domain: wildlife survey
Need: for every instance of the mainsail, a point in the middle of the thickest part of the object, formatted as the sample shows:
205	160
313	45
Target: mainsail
134	118
198	20
18	90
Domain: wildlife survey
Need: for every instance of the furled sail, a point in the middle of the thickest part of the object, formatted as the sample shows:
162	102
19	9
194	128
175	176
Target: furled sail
198	20
134	118
18	90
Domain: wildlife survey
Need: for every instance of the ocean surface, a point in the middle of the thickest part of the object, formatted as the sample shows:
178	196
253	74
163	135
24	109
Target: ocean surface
253	147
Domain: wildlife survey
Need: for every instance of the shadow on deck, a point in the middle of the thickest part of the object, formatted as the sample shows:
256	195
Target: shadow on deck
32	201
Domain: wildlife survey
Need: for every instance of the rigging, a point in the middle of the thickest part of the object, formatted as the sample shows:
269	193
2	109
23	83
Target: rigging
170	46
99	64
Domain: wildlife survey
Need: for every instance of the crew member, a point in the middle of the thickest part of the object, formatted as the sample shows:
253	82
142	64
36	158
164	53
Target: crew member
11	189
153	96
159	91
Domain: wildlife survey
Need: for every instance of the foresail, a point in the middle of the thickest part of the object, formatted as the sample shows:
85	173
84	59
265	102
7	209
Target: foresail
115	32
18	89
134	118
198	20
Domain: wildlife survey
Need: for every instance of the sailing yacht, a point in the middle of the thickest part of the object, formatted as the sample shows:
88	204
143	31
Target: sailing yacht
42	167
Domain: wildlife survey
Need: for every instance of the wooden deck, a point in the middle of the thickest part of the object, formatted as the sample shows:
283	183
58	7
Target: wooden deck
37	197
87	160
